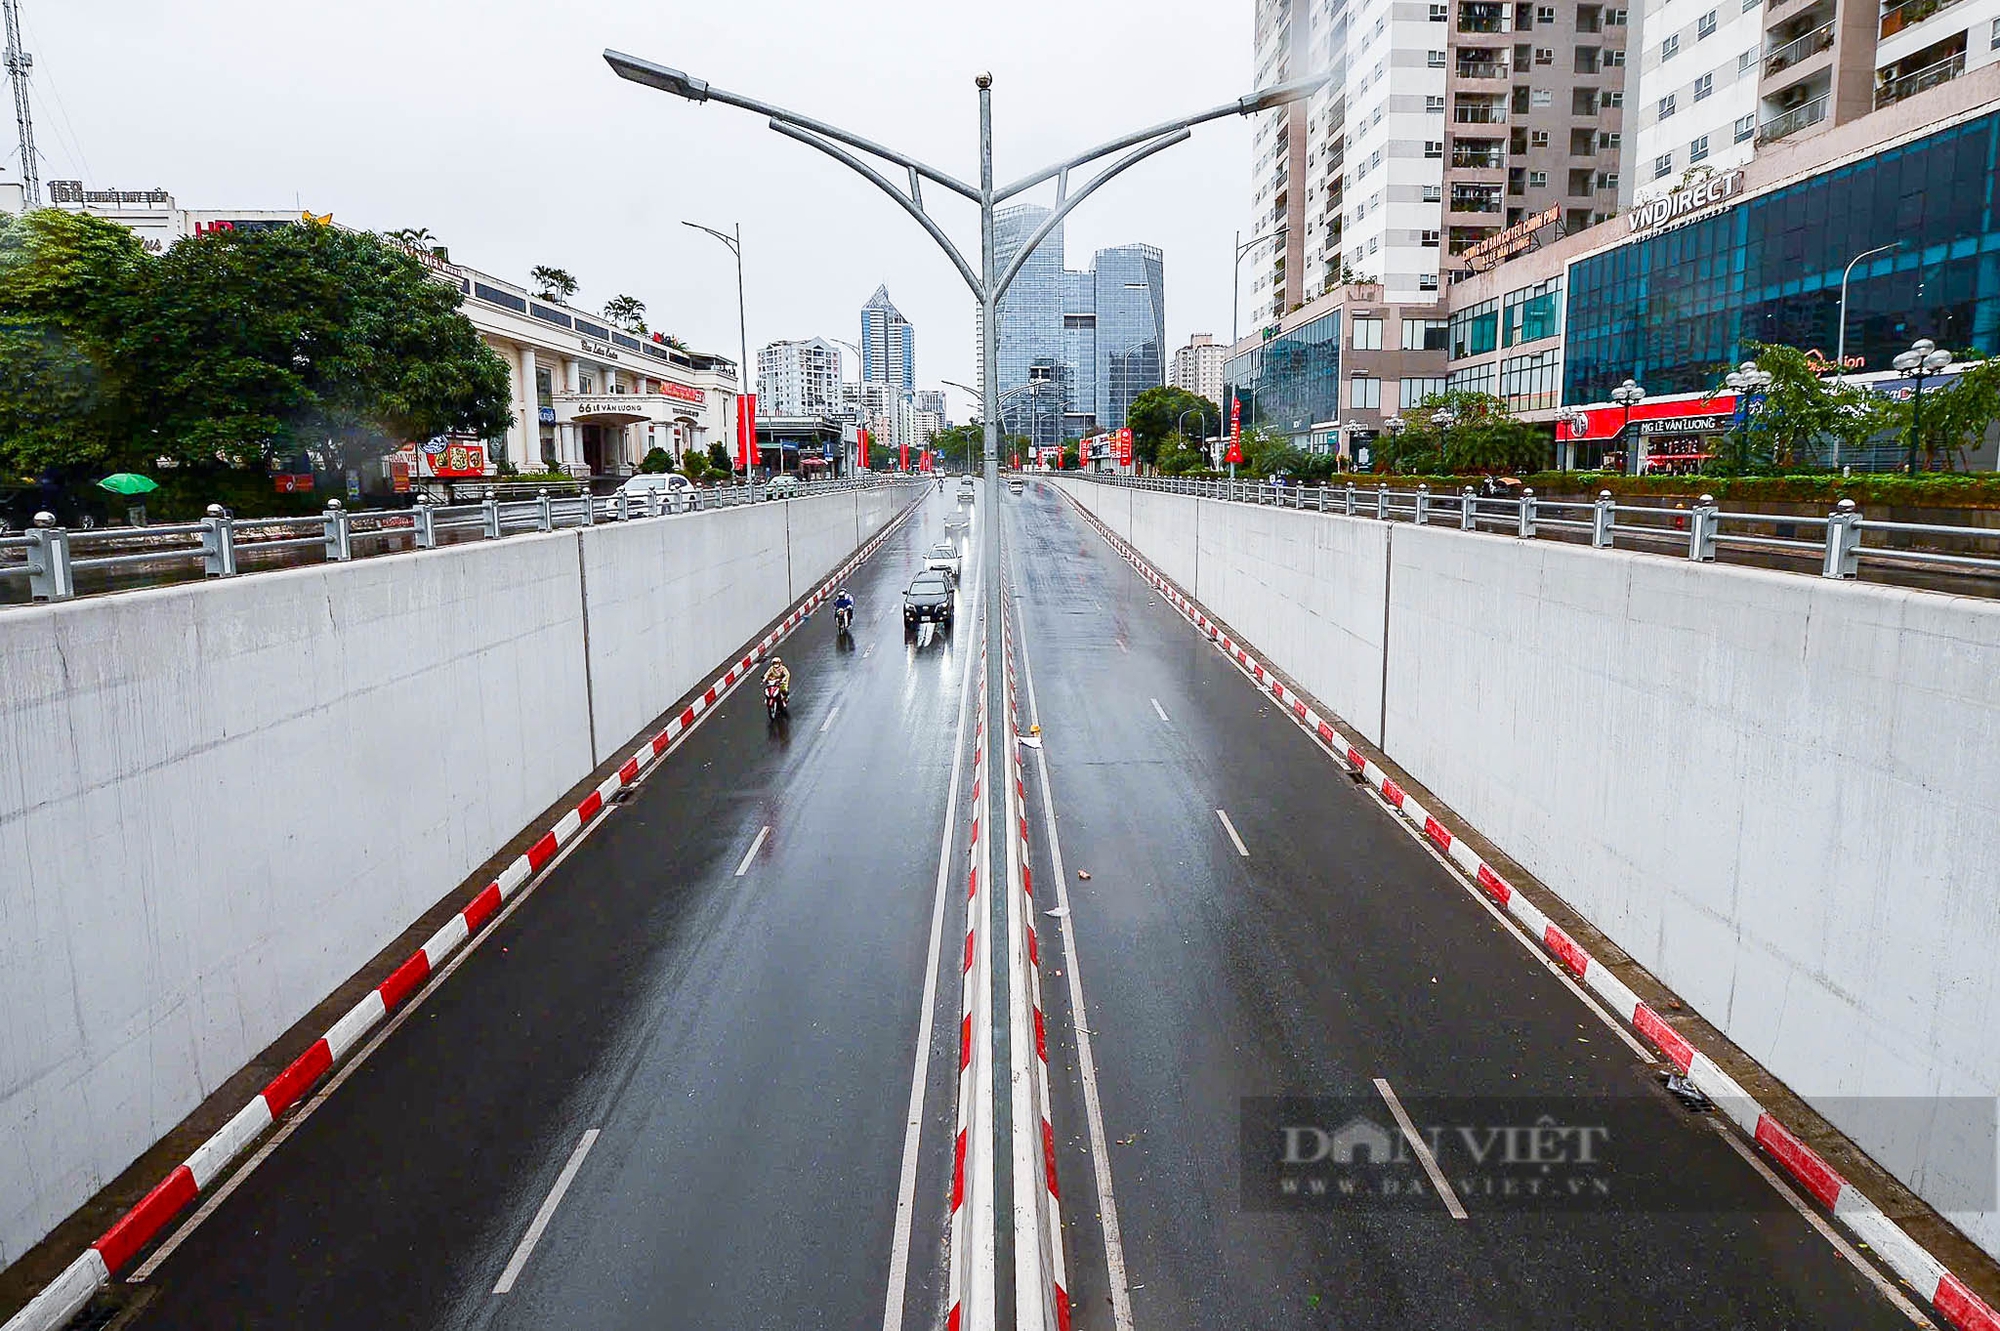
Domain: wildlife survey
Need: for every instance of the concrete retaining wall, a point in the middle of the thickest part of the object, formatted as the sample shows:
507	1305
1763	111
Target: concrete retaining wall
217	801
1773	791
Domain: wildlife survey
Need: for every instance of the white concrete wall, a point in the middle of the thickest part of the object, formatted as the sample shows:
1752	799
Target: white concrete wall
219	800
1167	523
1775	792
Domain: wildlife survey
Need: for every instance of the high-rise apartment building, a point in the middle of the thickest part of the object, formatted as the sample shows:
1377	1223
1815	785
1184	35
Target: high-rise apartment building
1445	125
798	378
888	344
1720	80
931	400
1279	205
1075	347
1198	367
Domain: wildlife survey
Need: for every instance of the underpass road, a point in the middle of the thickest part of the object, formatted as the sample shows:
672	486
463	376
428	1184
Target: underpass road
1253	925
689	1082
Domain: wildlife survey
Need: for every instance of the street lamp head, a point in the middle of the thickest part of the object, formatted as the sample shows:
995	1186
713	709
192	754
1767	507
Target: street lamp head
631	67
1923	346
1280	94
1906	361
984	81
1937	360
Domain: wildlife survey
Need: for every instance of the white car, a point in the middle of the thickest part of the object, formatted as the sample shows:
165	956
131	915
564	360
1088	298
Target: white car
674	489
944	555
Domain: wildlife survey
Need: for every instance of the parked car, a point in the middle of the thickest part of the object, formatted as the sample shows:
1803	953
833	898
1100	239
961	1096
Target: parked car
675	490
782	487
928	600
944	558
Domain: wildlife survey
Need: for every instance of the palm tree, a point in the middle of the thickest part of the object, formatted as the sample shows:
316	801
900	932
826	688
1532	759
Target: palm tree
413	237
552	283
628	312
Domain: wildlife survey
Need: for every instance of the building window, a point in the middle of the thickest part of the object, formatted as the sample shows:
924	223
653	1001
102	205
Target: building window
1433	194
1615	18
1746	127
1538	138
1996	34
1440	13
1667	107
1746	60
1538	180
1475	330
1430	240
1609	139
1434	105
1583	101
1698	150
1364	393
1703	86
1434	147
1663	165
1425	334
1437	59
1607	180
1415	391
1615	99
1530	383
1614	60
1368	334
1545	55
1545	14
1427	281
1705	26
1749	5
1542	97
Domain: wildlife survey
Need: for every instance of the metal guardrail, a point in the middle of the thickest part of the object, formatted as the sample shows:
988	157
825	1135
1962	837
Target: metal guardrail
1703	532
50	557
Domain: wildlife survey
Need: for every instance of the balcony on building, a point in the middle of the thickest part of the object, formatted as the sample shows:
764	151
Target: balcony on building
1481	63
1897	17
1796	108
1482	16
1940	62
1792	44
1476	198
1466	110
1478	154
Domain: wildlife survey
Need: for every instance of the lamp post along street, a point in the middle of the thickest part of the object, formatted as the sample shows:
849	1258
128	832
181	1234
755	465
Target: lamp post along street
977	1304
735	243
1243	247
1628	395
1923	360
1840	340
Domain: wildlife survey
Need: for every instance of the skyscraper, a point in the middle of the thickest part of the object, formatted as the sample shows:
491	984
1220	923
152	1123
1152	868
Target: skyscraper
1131	328
888	344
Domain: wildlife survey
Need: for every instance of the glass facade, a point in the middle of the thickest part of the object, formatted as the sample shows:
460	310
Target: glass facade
1031	323
1131	328
888	344
1674	311
1291	381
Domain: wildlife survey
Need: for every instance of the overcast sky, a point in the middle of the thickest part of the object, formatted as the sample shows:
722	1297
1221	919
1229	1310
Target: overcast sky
498	126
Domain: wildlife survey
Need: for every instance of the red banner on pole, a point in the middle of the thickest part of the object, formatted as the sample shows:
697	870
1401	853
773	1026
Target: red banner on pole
862	436
903	456
924	460
1235	455
1125	447
746	430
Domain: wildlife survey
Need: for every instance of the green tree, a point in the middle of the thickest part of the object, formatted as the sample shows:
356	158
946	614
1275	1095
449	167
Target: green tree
628	312
1955	416
656	461
1156	414
412	238
1460	433
552	283
1800	411
718	459
961	445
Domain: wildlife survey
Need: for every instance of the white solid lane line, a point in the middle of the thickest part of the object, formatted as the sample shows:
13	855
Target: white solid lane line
1093	1109
1161	710
1826	1231
829	719
543	1216
1230	828
751	853
906	1193
1423	1152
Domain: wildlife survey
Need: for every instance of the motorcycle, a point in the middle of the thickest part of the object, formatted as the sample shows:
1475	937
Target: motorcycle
777	699
843	618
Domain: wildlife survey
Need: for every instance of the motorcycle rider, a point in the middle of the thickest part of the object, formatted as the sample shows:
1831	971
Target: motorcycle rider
844	600
781	675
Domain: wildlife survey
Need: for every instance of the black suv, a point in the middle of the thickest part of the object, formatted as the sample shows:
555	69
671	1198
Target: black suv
928	598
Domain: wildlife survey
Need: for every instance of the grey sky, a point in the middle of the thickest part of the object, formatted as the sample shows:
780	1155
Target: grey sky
498	126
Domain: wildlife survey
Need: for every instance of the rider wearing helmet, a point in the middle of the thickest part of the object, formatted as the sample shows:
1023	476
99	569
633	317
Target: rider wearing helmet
844	600
779	674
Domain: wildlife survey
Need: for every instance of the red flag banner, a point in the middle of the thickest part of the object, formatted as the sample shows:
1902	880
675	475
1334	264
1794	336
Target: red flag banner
1235	455
903	456
863	434
746	430
1125	447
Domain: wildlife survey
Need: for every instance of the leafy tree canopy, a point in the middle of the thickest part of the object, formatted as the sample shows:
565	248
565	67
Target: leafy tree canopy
1156	414
552	283
1460	433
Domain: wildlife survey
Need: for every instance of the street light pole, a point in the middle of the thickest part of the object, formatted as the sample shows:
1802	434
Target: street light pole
743	446
1840	344
1921	361
1243	247
1628	395
859	392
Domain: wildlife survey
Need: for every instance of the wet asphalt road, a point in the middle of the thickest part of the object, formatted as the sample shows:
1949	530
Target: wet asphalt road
1335	952
742	1046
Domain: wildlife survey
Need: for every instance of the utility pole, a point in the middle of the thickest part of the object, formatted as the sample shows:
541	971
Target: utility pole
19	63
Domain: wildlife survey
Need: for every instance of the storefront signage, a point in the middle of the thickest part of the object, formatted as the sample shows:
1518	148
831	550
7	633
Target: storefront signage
1503	245
1820	363
681	392
547	415
1684	425
72	191
1684	203
597	348
450	458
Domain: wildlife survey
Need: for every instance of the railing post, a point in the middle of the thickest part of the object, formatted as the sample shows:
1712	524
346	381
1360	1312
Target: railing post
589	509
545	511
490	511
1350	499
1527	527
1602	518
339	535
1322	497
424	523
1702	522
1423	505
1468	511
1843	542
218	543
50	577
1382	500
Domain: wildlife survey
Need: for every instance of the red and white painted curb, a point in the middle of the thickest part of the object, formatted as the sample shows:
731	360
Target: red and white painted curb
1048	1230
1957	1304
68	1292
973	1039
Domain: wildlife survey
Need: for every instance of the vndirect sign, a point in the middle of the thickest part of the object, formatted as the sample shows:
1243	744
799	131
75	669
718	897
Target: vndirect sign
1684	203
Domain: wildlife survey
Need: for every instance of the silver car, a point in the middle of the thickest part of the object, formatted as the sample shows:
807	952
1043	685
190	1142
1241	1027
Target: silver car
943	556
